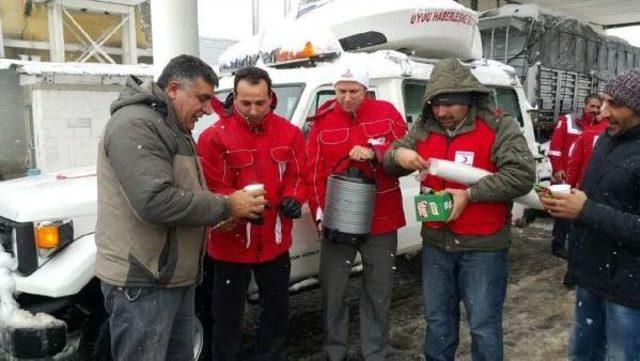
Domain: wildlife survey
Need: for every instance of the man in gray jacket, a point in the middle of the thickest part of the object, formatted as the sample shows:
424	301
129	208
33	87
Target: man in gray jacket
153	206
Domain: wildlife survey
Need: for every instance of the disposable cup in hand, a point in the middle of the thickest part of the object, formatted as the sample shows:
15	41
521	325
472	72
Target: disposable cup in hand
250	188
560	189
254	187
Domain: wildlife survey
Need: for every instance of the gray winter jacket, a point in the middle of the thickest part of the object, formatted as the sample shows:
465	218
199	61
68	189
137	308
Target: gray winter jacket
153	201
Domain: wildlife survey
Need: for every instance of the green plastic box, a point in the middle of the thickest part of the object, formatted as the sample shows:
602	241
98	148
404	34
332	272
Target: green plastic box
433	207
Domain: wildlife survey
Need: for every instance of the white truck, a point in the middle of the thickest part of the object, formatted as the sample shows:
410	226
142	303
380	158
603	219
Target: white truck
56	275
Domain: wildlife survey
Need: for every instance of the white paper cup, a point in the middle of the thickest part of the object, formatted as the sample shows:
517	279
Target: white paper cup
254	187
560	189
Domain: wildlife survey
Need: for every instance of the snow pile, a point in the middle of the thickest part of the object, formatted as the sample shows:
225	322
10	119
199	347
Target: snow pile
284	41
21	319
7	286
11	316
35	68
531	11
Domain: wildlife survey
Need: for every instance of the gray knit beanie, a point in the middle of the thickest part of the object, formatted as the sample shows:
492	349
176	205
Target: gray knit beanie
625	89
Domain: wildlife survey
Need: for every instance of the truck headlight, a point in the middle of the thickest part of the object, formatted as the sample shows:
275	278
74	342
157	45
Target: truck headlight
33	243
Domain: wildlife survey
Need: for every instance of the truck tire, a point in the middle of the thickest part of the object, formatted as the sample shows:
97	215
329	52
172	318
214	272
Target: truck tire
95	340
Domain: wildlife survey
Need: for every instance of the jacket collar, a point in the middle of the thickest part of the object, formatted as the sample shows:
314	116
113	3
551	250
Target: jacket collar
629	135
262	128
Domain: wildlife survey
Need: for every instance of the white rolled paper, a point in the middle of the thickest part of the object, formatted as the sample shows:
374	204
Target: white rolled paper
468	175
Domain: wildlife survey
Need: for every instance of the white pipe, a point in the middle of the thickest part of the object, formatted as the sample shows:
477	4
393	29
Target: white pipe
468	175
174	26
255	17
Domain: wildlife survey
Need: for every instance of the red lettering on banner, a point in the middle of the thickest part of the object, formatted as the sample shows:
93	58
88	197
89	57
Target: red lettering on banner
442	16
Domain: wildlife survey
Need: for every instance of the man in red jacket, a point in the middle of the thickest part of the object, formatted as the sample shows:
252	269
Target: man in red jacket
360	128
581	153
252	145
563	140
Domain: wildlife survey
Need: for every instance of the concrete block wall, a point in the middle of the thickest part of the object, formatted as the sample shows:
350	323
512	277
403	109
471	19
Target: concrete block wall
67	124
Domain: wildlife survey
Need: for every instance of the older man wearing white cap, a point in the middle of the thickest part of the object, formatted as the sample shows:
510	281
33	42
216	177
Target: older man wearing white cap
360	128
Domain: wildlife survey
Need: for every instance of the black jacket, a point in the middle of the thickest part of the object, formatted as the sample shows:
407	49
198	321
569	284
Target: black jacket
605	240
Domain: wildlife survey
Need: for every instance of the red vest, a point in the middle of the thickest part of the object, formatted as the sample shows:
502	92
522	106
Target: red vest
474	149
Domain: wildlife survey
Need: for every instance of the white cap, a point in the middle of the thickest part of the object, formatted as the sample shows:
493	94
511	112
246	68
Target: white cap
354	73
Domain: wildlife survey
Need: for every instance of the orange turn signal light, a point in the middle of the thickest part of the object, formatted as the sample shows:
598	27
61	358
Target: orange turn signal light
308	51
48	236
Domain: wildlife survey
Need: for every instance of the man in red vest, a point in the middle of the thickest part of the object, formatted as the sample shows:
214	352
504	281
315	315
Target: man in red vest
465	258
563	140
251	145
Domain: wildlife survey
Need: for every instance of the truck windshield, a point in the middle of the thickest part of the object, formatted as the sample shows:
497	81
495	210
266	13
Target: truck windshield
288	98
413	90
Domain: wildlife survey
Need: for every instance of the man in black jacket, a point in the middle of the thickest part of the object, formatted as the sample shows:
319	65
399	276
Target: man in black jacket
605	258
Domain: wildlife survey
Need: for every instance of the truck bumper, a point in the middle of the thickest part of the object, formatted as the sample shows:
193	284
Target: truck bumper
32	343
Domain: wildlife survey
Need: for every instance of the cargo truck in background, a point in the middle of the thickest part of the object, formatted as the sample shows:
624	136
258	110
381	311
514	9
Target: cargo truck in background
558	58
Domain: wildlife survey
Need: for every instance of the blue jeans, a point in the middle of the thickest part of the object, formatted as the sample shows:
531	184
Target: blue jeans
151	323
604	330
479	279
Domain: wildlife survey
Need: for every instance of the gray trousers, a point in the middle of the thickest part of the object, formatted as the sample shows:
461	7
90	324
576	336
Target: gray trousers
336	261
151	323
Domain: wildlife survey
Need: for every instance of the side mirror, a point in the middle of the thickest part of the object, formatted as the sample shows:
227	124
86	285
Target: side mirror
533	114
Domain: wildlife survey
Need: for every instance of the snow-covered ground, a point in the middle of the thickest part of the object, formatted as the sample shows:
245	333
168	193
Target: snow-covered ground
537	317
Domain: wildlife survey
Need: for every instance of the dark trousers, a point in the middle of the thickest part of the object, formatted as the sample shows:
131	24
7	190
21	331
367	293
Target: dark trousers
231	281
560	234
150	323
336	261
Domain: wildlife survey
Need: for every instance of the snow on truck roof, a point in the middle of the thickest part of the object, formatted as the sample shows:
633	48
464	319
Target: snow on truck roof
382	64
38	68
325	30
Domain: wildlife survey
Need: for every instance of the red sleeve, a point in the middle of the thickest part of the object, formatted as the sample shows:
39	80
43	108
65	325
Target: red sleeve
316	173
556	146
295	184
577	160
210	151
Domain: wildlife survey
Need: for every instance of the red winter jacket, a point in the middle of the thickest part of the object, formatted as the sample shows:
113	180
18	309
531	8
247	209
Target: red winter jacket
564	136
334	133
581	154
474	149
234	156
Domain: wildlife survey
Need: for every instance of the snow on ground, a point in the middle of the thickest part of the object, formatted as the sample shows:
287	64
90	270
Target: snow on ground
537	315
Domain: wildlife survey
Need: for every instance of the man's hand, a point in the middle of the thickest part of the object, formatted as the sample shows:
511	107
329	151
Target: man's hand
290	208
247	204
559	177
566	206
409	159
360	153
460	201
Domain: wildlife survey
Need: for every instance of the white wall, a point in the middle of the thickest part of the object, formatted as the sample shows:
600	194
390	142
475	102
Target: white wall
67	125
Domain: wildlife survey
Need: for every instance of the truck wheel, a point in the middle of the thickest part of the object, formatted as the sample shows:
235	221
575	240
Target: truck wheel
95	340
199	342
